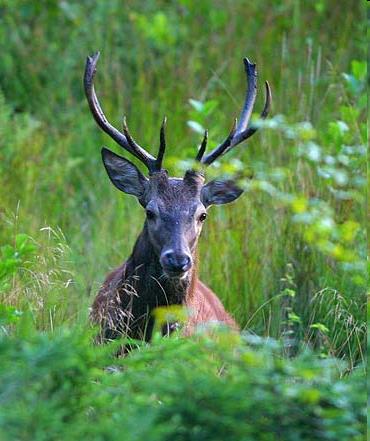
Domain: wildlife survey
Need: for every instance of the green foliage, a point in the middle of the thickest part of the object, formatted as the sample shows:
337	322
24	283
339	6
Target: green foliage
12	257
8	315
288	260
59	387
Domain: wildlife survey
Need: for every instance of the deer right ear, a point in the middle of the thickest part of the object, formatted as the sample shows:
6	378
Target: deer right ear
124	174
219	192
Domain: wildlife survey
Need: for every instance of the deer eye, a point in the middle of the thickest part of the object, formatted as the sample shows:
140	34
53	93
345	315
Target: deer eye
203	217
150	214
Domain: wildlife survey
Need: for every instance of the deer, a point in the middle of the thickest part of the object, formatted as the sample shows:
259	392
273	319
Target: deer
162	268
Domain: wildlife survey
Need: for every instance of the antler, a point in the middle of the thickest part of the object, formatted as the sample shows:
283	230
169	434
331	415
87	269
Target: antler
124	139
240	131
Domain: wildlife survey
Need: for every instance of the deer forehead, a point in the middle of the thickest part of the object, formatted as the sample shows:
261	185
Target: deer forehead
174	196
172	189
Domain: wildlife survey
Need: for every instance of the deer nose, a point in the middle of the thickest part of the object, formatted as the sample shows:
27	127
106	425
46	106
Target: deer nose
175	262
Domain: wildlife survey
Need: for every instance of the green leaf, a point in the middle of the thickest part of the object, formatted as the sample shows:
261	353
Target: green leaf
197	105
196	127
321	327
8	315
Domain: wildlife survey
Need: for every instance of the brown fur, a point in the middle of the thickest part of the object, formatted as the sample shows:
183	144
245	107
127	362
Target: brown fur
122	306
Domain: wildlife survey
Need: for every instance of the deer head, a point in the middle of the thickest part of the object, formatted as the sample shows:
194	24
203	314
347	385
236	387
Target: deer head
176	208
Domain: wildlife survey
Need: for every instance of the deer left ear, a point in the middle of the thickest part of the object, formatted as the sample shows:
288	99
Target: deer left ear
124	174
219	192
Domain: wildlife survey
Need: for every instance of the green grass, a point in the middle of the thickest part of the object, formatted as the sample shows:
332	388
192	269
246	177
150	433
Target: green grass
155	56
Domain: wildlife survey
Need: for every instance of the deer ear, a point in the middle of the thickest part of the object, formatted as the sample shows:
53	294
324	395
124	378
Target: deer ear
124	174
219	192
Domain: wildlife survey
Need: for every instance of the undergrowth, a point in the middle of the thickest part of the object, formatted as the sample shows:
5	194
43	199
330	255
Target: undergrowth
58	386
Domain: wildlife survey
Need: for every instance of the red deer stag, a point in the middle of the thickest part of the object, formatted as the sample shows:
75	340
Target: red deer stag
162	267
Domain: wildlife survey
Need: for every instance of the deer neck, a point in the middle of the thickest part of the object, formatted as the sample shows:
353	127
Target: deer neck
149	280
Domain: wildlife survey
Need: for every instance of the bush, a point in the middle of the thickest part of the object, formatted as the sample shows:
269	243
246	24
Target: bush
59	387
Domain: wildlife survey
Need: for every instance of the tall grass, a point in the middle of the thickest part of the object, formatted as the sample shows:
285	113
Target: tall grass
155	57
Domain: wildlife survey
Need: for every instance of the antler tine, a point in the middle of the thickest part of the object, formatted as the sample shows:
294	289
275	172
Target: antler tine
126	142
162	144
242	131
268	100
220	150
202	147
130	141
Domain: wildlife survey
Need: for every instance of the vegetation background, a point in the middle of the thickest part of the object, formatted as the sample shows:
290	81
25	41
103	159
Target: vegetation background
288	259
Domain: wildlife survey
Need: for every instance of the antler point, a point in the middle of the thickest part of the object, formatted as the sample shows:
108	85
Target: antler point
248	61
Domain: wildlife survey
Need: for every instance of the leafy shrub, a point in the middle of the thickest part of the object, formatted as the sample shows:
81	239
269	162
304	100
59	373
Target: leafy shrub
59	387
